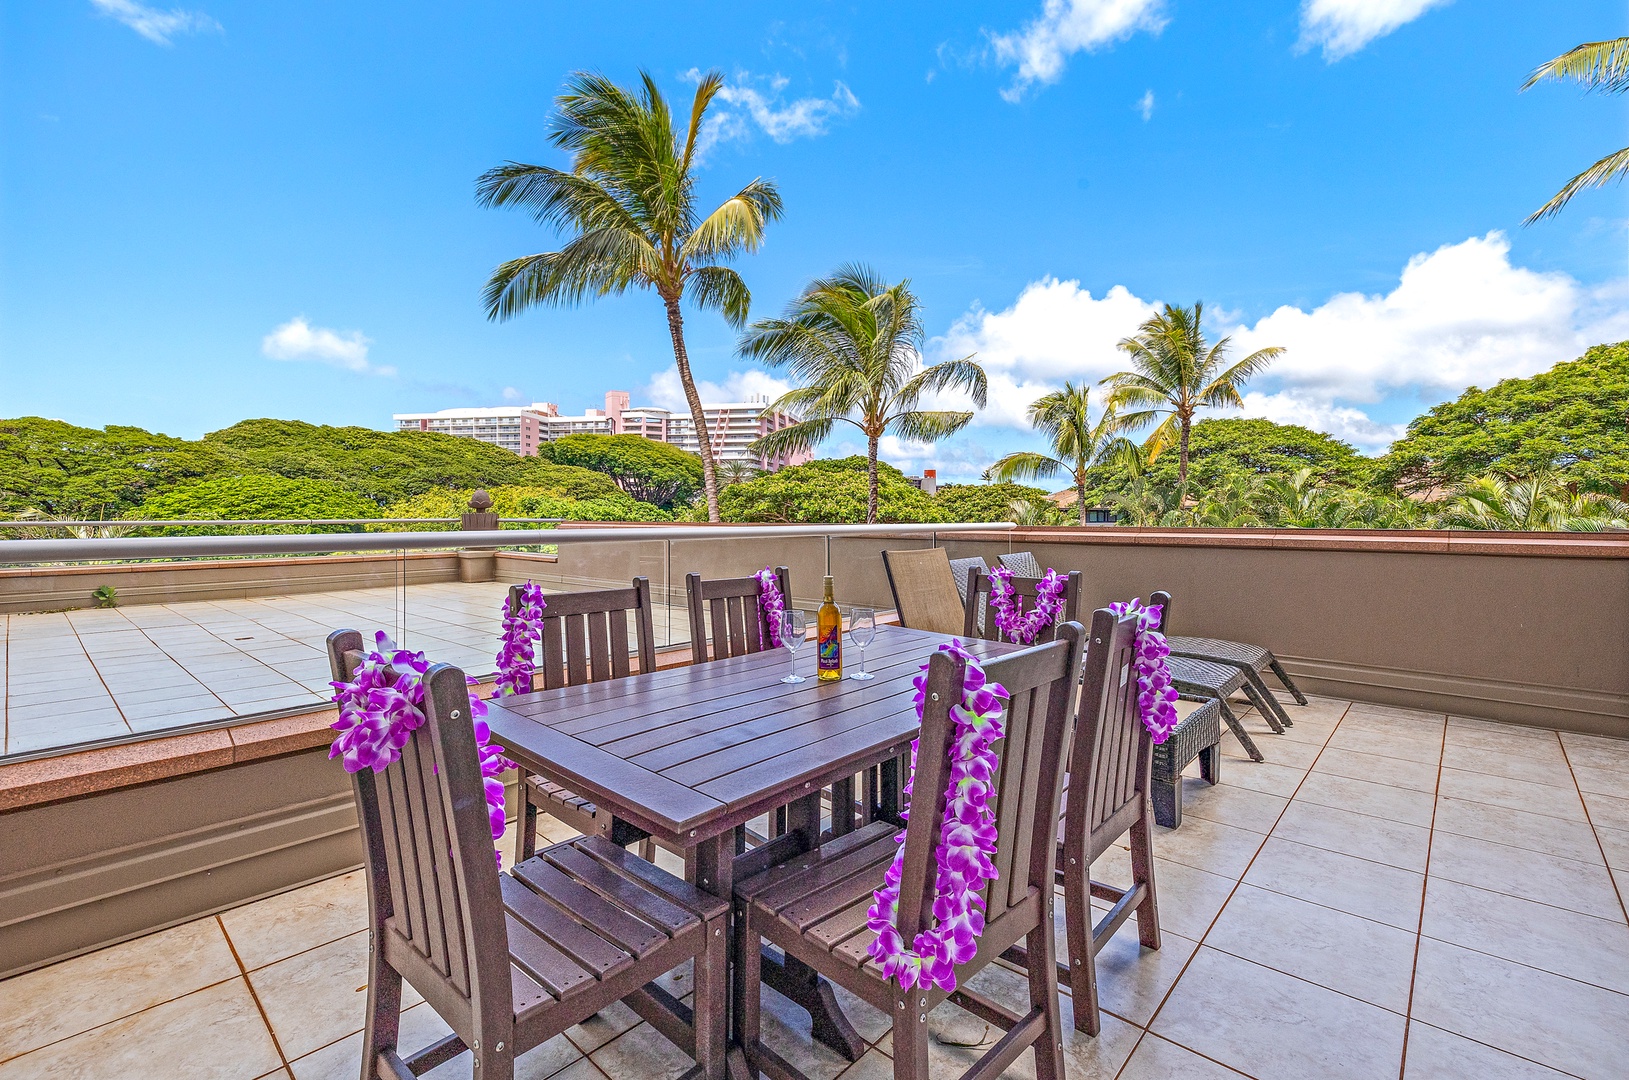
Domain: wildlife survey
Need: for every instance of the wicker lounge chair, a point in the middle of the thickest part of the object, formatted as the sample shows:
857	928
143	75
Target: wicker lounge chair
1022	563
510	960
959	569
1198	735
1250	659
1201	680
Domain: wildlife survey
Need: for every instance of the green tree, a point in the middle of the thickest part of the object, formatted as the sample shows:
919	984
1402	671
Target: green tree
65	471
853	343
524	501
1541	502
986	502
1572	420
1175	373
650	471
1077	444
628	204
830	491
258	497
1599	65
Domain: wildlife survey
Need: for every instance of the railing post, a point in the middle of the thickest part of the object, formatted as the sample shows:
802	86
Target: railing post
478	564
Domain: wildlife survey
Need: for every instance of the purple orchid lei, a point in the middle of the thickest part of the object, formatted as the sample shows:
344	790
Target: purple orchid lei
771	603
1156	697
1010	618
517	658
967	843
378	714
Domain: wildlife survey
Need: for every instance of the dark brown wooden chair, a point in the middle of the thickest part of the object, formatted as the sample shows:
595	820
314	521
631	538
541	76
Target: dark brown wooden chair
737	621
814	907
1108	796
585	639
1024	588
511	960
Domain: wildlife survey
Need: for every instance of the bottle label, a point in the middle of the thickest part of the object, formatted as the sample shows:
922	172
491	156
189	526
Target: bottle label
831	650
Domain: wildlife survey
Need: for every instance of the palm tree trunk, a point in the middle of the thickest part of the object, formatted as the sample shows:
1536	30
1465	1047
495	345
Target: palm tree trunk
1080	496
1182	465
681	358
871	480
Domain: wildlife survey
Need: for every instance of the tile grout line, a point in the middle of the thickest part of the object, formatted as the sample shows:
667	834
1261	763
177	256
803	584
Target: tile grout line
130	728
243	973
1149	1028
1425	882
1595	832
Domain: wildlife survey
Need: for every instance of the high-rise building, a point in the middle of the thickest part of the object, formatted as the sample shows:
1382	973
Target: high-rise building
731	426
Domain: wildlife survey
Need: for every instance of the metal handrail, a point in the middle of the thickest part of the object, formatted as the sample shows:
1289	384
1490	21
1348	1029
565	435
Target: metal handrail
135	548
152	523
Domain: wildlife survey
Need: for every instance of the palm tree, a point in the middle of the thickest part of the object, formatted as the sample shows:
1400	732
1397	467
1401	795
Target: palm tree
628	206
1077	443
1541	502
854	343
1599	65
1176	373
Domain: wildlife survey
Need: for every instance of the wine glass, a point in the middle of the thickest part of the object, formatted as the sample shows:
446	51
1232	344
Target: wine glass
793	628
862	631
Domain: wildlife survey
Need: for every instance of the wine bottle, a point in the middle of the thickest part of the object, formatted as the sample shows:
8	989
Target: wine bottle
830	641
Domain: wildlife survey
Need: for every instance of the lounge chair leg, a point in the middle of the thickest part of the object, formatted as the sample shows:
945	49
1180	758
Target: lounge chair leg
1289	683
1239	733
1267	711
1167	798
1210	764
1254	682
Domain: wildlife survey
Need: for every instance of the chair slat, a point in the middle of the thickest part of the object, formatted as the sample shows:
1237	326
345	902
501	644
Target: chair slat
563	931
618	650
608	919
449	909
554	653
641	901
731	605
576	650
702	905
432	942
547	966
841	925
826	872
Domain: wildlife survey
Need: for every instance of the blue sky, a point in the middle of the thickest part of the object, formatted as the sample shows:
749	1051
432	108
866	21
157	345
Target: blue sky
227	210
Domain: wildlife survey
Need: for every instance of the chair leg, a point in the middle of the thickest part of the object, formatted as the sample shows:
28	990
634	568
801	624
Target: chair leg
1142	873
1043	994
1210	764
1289	683
384	1014
1268	711
528	824
745	1017
1255	687
712	978
1077	921
1166	794
910	1038
1239	733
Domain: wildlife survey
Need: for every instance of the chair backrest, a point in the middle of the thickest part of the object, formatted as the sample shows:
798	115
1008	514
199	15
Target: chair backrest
1022	563
960	571
924	589
737	620
1162	600
433	888
585	634
1024	590
1109	764
1028	782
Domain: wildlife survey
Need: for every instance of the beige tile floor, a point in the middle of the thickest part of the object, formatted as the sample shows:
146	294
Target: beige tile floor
1393	895
75	676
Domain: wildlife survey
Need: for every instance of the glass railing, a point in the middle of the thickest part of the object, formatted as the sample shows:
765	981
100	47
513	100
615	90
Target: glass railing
116	639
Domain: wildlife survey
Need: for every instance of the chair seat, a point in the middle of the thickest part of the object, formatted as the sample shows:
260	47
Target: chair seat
551	794
1205	676
823	896
579	914
1224	652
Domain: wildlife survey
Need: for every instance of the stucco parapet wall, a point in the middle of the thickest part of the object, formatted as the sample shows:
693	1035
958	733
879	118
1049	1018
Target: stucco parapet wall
1438	542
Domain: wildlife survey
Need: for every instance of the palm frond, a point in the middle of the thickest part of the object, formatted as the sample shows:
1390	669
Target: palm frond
927	427
1024	465
963	374
1611	168
721	288
804	436
708	88
736	226
1599	65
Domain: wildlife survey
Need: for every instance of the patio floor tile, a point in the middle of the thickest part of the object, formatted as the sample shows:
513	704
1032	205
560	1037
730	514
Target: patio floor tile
1157	1059
1434	1054
1346	883
1565	883
280	926
1561	942
1376	839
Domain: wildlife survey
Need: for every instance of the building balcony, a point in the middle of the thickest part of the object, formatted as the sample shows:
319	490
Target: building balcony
1425	877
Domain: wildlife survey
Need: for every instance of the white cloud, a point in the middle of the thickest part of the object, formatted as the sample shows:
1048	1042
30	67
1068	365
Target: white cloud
299	340
751	103
155	25
1342	27
665	389
1065	27
1458	316
511	394
1145	106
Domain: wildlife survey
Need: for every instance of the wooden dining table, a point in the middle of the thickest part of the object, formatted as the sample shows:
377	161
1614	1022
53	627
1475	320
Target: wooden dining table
689	755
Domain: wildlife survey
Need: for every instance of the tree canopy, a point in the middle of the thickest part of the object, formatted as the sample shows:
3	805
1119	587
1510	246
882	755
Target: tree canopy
239	498
829	491
986	502
522	501
1572	419
650	471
